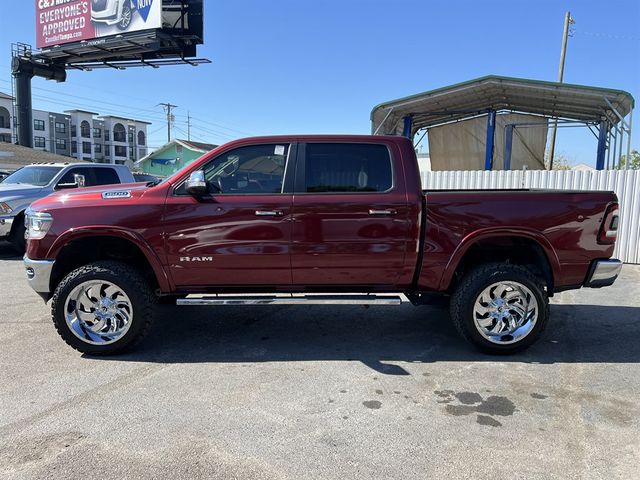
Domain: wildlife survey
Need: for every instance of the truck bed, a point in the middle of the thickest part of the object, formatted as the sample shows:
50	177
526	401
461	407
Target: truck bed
564	223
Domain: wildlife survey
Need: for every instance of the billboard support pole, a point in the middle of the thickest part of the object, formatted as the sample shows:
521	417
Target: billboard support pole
23	104
24	67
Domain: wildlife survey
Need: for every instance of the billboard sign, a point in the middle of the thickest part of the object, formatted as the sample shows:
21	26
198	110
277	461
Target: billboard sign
67	21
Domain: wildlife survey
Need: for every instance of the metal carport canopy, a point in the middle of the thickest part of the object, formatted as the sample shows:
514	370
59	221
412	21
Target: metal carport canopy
495	93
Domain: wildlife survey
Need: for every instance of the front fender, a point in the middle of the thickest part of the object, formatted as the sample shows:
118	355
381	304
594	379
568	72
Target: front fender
19	209
493	232
119	232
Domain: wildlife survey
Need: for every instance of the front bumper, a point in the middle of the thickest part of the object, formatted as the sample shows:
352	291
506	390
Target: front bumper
5	226
39	274
603	273
109	15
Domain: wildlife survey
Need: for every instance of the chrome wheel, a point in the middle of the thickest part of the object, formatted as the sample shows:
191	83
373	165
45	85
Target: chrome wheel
98	312
505	312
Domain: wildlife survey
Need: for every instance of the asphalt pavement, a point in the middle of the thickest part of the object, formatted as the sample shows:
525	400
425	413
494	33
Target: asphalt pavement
301	392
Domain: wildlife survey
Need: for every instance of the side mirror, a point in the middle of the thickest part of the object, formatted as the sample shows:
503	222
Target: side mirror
79	180
197	185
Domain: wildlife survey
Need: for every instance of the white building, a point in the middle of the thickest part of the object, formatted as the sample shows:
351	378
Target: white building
6	124
125	140
81	134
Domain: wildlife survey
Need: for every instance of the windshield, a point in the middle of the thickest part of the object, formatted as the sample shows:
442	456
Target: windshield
38	176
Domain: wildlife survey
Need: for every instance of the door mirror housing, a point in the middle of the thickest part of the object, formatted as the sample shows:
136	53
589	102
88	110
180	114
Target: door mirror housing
196	184
78	182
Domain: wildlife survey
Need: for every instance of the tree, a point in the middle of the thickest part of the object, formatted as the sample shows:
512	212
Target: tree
634	163
560	162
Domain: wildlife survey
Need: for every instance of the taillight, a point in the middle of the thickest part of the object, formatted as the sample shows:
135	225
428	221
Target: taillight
609	228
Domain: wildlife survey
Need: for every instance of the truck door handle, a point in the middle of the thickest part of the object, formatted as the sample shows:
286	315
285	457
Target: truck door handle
269	213
382	212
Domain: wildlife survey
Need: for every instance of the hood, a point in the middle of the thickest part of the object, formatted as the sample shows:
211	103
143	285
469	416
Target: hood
18	190
92	196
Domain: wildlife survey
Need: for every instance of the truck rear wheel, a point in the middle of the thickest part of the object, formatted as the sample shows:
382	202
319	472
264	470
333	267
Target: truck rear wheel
500	308
103	308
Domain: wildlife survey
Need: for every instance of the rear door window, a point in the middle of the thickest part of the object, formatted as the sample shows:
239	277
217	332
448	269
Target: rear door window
347	168
92	176
106	176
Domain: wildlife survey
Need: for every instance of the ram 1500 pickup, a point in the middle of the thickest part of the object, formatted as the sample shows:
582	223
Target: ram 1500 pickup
313	219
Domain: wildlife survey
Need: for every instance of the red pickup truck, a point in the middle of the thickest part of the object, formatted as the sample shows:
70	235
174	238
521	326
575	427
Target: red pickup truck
313	219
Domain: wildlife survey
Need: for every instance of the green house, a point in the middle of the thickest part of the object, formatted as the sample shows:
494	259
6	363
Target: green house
172	157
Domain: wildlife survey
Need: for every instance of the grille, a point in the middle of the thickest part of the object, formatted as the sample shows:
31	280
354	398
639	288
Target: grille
98	5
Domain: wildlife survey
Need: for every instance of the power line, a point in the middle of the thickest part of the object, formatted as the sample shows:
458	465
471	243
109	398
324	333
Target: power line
94	104
607	35
212	131
84	106
128	107
243	132
155	131
197	138
91	100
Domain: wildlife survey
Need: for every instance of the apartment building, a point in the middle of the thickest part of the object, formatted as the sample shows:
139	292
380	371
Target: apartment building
108	138
51	132
81	134
6	123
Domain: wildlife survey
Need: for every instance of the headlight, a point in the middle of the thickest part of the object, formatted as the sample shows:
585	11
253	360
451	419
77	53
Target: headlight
38	224
5	208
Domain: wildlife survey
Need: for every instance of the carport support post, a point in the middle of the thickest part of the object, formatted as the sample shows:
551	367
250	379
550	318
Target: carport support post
602	144
407	127
491	128
508	144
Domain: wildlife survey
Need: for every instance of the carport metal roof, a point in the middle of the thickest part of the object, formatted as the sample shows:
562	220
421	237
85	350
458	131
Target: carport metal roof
494	93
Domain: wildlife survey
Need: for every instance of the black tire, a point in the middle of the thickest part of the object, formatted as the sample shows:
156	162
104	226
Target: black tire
472	285
128	280
17	235
126	15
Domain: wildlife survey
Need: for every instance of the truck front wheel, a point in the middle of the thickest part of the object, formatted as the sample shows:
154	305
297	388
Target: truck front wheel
500	308
17	235
103	308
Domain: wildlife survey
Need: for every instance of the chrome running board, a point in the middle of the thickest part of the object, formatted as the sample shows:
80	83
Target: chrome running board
292	299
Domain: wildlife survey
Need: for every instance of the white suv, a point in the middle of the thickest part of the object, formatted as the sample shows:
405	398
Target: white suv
113	12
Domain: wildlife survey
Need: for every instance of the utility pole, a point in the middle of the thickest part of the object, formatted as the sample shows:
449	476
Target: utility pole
568	20
168	107
188	126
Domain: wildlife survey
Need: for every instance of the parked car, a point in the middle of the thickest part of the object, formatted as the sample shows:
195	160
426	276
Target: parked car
113	12
314	217
32	182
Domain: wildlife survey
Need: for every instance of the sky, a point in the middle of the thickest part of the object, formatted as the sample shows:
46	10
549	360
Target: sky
284	66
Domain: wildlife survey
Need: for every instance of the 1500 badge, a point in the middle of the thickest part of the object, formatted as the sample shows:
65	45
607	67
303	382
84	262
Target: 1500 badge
117	194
